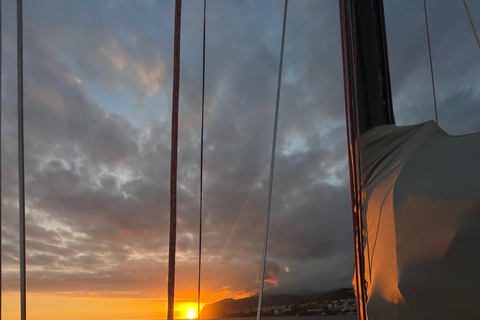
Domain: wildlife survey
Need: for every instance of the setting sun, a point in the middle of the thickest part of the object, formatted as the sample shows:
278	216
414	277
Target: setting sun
187	310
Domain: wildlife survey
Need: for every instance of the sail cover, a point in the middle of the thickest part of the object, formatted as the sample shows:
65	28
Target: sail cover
421	204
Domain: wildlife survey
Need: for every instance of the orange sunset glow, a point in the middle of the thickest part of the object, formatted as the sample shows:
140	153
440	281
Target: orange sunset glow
80	308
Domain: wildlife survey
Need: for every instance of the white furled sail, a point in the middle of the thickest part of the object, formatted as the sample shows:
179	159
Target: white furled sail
421	218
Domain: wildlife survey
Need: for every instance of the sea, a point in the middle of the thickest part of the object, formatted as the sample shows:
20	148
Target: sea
335	317
329	317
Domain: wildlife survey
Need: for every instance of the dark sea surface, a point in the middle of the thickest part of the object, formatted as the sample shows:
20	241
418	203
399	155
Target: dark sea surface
350	317
339	317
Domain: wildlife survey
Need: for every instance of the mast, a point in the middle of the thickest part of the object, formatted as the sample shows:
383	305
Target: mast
173	163
368	103
365	61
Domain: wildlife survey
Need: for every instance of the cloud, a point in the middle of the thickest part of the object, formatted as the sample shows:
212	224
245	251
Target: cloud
271	270
130	70
152	78
98	180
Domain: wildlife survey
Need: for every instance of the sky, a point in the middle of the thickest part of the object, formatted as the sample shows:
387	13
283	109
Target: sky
98	83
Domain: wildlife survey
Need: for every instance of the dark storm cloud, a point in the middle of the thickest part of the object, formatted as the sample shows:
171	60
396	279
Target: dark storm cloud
98	174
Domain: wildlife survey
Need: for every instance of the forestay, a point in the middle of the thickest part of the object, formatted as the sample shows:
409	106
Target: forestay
421	192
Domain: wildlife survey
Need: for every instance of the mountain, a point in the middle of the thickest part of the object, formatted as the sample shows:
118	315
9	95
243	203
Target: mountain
222	308
344	293
285	304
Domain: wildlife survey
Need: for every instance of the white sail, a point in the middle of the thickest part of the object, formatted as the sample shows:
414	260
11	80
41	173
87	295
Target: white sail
421	203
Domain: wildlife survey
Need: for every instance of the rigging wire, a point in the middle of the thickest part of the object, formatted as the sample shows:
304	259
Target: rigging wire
173	163
1	199
430	59
471	23
272	164
21	161
201	163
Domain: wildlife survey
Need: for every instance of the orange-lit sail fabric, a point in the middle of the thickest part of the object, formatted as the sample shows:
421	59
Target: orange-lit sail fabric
421	203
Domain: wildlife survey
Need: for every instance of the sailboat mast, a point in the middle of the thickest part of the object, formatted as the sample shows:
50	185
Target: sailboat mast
365	61
173	162
368	103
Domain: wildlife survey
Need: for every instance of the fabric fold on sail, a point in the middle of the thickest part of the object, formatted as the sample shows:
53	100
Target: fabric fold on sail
421	213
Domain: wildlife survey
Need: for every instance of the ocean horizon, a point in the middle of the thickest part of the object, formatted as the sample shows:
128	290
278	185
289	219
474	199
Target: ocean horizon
315	317
326	317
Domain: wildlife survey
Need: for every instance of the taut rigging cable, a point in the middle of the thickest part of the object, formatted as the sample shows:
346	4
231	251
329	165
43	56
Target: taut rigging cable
471	23
21	162
430	59
201	163
1	199
272	164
